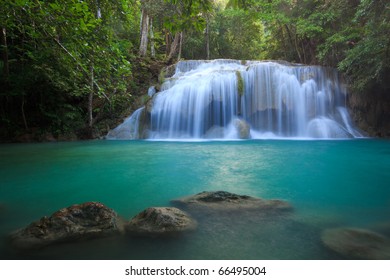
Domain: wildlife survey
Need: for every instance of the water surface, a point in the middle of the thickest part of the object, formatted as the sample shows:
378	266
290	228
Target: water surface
329	183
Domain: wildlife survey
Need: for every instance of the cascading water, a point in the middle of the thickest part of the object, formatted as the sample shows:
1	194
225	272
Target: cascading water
229	99
129	129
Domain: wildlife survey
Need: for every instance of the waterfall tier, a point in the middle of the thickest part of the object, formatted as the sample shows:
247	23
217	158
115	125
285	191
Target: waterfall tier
230	99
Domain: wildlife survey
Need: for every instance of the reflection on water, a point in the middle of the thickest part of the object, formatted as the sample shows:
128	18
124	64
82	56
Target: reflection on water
329	183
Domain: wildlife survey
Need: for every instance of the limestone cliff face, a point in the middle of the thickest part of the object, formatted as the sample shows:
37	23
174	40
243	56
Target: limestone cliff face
371	112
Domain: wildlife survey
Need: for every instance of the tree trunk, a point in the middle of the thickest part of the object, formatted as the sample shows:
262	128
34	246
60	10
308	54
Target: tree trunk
98	10
304	53
293	42
152	48
167	43
144	33
284	40
208	39
174	47
5	53
180	46
90	100
23	114
81	67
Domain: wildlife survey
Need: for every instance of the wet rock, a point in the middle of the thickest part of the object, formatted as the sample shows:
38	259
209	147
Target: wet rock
370	110
166	72
225	201
157	221
357	243
243	129
82	221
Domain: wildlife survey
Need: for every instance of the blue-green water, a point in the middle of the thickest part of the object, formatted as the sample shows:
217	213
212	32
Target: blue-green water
329	183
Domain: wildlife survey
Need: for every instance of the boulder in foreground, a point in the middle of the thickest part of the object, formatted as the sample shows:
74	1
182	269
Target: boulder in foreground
225	201
160	221
81	221
357	243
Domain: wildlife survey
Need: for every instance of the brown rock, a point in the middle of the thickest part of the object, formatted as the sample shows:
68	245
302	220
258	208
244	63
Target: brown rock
225	201
243	129
157	221
83	221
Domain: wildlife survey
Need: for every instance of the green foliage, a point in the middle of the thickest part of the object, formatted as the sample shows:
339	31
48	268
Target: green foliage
236	34
189	15
56	51
367	63
240	84
230	33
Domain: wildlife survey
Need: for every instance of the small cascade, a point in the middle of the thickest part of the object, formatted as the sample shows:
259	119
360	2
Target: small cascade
152	91
129	129
230	99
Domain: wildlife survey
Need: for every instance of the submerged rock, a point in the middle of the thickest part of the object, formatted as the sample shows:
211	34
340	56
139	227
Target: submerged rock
357	243
156	221
2	209
383	228
82	221
225	201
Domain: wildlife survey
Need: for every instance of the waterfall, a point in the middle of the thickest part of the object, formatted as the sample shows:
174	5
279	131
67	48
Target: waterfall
152	91
129	129
230	99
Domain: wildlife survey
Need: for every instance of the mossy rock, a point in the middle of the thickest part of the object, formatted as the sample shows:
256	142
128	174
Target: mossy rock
166	72
160	221
80	221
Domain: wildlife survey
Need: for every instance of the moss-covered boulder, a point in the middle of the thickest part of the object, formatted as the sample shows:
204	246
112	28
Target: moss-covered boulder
160	221
81	221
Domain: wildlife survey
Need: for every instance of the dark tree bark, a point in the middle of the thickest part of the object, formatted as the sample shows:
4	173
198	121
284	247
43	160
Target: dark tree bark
152	47
144	33
90	100
180	46
23	113
5	53
208	39
174	47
